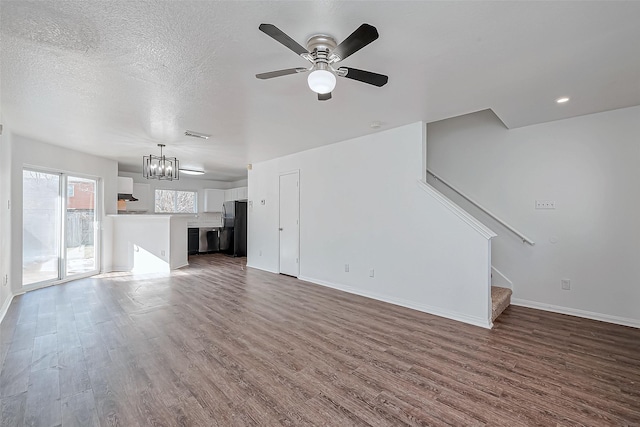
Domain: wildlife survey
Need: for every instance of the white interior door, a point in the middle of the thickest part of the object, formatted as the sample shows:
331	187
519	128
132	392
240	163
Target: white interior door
290	224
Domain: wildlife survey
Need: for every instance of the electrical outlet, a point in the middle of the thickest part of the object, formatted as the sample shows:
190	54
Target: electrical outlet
346	268
545	204
5	280
162	253
371	273
566	284
260	252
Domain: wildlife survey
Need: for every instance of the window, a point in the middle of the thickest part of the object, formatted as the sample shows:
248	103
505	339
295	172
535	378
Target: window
175	201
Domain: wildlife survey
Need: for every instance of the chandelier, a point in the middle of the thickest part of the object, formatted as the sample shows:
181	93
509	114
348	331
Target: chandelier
160	167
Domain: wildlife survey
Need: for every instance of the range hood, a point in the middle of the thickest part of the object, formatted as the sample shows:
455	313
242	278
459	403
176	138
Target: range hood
125	189
127	197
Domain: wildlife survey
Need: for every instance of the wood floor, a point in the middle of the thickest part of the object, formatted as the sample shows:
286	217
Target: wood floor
215	344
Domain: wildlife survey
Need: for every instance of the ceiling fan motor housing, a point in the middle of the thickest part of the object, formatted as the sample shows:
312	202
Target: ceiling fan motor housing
321	42
320	47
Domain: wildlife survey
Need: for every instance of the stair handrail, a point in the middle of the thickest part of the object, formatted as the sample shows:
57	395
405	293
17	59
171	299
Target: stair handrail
524	238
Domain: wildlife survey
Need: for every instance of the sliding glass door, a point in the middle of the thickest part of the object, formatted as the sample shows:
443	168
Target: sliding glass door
41	227
80	230
60	227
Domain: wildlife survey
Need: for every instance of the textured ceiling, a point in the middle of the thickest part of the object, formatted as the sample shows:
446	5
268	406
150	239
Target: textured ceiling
114	78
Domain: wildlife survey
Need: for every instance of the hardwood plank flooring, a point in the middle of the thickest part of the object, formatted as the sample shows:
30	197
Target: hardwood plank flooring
216	344
79	410
43	399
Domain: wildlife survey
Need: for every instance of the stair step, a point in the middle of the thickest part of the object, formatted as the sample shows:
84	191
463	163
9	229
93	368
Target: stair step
500	299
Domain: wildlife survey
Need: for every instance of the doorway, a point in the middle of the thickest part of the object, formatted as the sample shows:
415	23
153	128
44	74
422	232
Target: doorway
60	238
290	223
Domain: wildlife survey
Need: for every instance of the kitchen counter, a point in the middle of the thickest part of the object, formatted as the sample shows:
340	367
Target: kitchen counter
198	221
149	243
195	224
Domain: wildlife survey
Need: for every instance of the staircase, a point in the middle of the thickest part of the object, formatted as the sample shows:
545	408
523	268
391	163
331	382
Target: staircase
500	299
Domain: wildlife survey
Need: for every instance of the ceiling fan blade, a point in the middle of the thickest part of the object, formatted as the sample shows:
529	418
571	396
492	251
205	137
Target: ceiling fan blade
365	76
324	96
272	74
361	37
277	34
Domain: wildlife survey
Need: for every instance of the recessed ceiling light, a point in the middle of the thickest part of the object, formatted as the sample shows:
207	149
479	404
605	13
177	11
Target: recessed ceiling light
562	100
196	134
192	172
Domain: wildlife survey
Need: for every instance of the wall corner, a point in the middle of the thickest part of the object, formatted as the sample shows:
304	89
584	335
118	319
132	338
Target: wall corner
424	151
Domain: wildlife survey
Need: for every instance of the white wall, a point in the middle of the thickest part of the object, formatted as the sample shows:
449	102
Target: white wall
239	183
178	250
26	151
589	166
5	223
360	204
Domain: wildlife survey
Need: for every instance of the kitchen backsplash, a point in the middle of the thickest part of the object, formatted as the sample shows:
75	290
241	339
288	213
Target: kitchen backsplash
206	219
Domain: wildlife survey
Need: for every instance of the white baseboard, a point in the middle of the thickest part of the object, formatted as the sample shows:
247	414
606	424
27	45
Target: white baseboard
263	269
437	311
5	307
634	323
106	269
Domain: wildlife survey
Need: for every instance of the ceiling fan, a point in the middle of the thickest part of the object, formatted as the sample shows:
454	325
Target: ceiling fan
323	52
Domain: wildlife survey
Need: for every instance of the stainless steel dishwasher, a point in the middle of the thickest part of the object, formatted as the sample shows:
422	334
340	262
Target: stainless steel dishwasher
203	246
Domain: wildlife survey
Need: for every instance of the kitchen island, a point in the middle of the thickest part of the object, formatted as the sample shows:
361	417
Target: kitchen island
149	243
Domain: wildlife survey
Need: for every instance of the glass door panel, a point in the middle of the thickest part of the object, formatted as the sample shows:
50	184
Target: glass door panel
41	227
80	226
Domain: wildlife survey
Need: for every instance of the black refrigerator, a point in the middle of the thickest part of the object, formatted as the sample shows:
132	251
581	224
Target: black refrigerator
233	236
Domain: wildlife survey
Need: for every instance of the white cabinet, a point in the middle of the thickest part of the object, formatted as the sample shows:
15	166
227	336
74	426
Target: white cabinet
240	193
142	192
213	200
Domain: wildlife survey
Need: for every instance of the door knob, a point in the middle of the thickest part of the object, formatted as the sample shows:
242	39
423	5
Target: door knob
280	229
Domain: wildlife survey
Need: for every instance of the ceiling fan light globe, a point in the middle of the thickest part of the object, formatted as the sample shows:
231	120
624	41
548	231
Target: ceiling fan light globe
321	81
